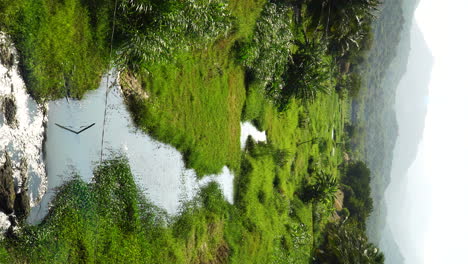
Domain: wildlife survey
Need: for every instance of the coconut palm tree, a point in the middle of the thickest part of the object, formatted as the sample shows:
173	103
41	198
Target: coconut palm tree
323	190
344	23
308	74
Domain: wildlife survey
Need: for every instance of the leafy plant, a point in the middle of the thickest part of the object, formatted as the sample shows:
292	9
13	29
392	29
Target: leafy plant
266	56
152	31
323	190
309	73
347	244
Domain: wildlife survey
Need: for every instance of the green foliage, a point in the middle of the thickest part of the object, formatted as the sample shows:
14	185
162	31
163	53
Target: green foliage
357	192
308	74
110	221
280	156
323	190
180	52
266	56
351	83
150	32
346	23
195	105
373	110
347	244
62	44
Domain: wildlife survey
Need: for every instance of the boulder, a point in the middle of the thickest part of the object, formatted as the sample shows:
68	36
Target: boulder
22	206
9	108
7	187
7	57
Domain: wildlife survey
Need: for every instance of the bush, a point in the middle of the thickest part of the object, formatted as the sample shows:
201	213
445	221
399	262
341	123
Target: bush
323	190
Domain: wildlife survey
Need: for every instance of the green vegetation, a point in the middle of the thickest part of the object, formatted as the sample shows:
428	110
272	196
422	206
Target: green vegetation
347	244
153	31
267	54
373	117
323	189
195	100
63	45
110	221
191	72
357	192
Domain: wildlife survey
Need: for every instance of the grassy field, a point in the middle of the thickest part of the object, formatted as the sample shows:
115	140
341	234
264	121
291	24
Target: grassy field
63	44
196	102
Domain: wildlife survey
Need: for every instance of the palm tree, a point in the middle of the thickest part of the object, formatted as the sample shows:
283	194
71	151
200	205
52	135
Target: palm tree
308	74
344	23
323	190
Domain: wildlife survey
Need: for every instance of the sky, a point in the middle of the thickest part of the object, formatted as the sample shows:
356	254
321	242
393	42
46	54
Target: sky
443	153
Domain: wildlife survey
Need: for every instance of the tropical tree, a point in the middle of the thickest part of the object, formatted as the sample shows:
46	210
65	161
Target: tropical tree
344	23
356	187
323	190
347	244
308	74
267	54
149	31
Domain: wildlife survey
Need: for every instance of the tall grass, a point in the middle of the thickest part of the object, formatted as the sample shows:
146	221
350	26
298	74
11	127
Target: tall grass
63	44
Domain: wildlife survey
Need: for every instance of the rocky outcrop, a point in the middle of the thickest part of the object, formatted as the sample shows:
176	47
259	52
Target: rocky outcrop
131	86
9	109
22	200
7	57
22	206
7	187
12	201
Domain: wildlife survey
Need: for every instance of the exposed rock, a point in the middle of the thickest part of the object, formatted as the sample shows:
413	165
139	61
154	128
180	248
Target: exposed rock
22	200
338	205
346	157
22	122
7	187
22	206
7	57
13	220
131	86
9	109
24	174
339	198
